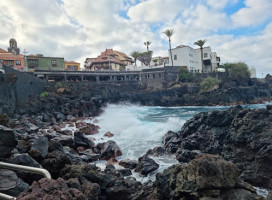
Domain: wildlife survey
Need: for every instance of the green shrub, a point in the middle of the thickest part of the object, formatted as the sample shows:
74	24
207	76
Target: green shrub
58	85
239	69
185	76
44	94
209	84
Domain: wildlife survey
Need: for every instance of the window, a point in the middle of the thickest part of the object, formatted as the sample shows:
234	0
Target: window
205	55
18	62
54	63
175	57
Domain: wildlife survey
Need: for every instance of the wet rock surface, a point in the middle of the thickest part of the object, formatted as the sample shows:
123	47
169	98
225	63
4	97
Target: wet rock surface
242	136
8	141
146	165
205	177
10	184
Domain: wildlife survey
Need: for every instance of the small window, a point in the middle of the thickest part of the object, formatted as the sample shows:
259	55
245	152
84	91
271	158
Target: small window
205	55
54	63
18	62
175	57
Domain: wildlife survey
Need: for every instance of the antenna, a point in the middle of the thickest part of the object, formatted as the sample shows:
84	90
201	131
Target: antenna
25	52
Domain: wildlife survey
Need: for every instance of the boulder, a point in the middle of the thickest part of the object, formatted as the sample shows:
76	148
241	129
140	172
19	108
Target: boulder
51	189
39	148
64	140
91	190
205	177
23	146
108	134
81	140
10	184
8	141
125	172
23	159
55	161
130	164
242	136
184	155
110	150
146	165
89	129
4	119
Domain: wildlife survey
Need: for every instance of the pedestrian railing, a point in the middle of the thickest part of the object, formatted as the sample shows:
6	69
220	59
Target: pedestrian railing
33	170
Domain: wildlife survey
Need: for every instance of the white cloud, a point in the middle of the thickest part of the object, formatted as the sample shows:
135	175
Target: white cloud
253	50
79	30
220	4
254	13
157	10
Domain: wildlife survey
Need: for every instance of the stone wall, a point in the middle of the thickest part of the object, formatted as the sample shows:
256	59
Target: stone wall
171	73
26	85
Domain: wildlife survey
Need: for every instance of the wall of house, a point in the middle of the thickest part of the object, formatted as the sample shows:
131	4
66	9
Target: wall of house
72	66
186	56
44	63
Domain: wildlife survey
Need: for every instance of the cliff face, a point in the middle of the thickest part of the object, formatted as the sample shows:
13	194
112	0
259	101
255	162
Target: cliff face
7	95
16	89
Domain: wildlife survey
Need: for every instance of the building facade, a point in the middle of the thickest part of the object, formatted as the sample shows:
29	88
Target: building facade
13	47
190	58
160	61
39	62
12	57
12	60
111	60
71	66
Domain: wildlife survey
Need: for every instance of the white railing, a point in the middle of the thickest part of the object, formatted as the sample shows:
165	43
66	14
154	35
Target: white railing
33	170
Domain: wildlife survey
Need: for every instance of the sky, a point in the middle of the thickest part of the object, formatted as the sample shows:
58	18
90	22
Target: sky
238	30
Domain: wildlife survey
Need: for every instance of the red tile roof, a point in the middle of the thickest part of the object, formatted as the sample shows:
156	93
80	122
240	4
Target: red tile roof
3	51
71	62
109	55
11	56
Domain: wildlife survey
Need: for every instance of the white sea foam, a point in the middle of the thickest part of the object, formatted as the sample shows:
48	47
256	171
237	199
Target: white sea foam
136	128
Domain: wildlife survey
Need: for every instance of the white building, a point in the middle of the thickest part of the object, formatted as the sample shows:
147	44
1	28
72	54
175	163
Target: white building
160	61
189	57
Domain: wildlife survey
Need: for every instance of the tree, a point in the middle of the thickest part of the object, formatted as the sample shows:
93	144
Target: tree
135	54
239	69
145	57
185	76
147	43
169	33
155	61
201	43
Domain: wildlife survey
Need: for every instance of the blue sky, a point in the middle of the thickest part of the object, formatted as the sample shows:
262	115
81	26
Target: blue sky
238	30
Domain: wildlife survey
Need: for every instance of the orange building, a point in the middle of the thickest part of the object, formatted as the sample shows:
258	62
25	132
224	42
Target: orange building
11	60
71	66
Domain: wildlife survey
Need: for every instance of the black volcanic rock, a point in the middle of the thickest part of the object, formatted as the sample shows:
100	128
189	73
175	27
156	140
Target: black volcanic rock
146	165
242	136
10	184
205	177
8	141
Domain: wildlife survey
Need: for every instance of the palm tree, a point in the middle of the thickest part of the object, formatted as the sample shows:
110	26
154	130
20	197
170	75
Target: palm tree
135	55
147	43
169	33
201	43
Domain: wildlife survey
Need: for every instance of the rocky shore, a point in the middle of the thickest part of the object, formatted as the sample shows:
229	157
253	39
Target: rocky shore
242	136
221	153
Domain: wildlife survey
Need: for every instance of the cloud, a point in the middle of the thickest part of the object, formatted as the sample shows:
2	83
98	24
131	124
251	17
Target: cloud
253	50
79	30
255	12
157	10
215	4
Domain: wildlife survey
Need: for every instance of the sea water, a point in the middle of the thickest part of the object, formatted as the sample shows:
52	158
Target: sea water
139	128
